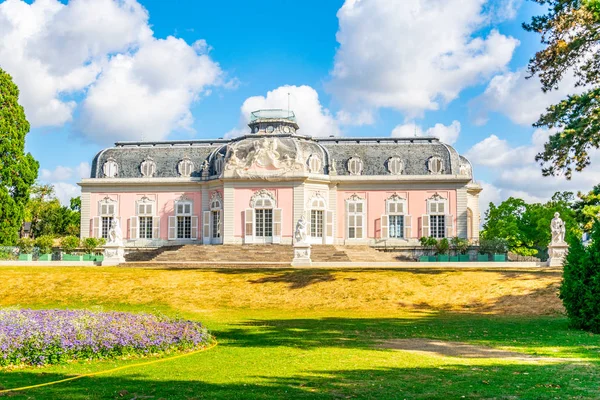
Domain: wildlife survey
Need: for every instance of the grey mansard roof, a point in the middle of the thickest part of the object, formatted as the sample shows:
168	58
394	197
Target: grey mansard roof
374	153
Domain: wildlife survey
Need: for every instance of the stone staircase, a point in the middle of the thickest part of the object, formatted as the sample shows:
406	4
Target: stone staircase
250	255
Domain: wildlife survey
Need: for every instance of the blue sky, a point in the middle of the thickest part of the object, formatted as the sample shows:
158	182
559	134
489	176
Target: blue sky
95	71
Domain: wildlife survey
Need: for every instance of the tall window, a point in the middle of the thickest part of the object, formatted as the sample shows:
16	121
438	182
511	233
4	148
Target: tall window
437	216
263	217
355	207
215	210
317	215
145	211
396	209
183	212
107	210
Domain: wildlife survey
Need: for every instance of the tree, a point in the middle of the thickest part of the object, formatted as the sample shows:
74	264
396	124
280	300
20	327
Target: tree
525	226
587	208
48	217
571	33
18	171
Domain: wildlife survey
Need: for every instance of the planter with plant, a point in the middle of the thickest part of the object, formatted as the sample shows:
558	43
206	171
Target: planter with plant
461	247
45	243
25	246
500	250
424	257
90	245
442	247
68	245
486	248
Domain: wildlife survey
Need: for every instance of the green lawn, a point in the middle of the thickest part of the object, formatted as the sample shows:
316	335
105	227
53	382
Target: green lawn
312	352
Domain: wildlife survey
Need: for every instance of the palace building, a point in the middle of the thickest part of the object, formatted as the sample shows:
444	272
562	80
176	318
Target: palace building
254	188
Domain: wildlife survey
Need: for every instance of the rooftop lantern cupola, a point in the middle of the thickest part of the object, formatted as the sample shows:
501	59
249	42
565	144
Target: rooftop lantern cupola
273	122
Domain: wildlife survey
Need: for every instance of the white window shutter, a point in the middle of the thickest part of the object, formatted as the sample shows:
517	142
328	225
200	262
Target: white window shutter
194	227
329	227
277	221
407	227
249	225
133	228
155	227
425	226
449	226
172	227
385	226
206	227
96	227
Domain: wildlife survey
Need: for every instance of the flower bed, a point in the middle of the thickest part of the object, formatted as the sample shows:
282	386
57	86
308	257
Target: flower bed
39	337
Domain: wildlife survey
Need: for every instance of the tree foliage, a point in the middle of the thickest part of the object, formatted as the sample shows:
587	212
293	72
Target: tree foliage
526	226
570	32
580	288
587	208
18	171
48	217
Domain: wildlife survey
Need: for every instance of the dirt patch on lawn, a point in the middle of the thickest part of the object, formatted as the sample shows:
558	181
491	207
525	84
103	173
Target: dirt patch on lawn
460	349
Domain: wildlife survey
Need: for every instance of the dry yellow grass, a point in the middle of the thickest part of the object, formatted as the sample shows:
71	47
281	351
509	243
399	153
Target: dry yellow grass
482	291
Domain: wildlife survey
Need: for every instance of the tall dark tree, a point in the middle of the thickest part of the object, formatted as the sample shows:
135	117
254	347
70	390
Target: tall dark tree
570	32
18	171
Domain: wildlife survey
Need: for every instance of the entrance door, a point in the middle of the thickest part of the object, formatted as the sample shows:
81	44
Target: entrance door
316	226
216	227
263	222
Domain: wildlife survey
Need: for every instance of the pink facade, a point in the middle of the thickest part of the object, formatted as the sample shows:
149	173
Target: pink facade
284	200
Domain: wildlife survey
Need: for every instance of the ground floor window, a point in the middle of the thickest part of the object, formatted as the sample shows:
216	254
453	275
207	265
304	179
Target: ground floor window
396	226
438	226
106	221
145	231
184	227
216	224
264	222
316	223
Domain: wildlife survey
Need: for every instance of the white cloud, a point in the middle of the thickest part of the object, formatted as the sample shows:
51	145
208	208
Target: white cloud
65	192
520	99
446	133
414	55
133	84
312	117
516	173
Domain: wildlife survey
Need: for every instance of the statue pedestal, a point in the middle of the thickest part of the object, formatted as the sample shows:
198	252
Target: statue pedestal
557	253
301	255
114	254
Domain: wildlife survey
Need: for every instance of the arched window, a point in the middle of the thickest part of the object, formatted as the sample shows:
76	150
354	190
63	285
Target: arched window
314	164
355	166
355	217
435	165
395	166
110	169
263	220
216	209
317	208
185	167
148	168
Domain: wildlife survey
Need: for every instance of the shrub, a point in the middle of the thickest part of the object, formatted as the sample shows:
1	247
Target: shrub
90	244
442	246
39	337
25	245
45	244
493	246
461	245
580	288
69	244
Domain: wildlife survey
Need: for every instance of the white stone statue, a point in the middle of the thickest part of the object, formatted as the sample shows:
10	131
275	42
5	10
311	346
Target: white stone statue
301	230
558	230
115	235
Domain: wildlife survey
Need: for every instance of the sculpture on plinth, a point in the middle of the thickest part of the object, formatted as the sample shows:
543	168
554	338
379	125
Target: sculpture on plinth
558	247
301	246
114	249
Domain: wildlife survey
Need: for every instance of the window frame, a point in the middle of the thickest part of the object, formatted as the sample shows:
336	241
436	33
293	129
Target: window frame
355	201
356	161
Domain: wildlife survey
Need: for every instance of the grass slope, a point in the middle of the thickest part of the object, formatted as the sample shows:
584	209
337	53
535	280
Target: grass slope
322	334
